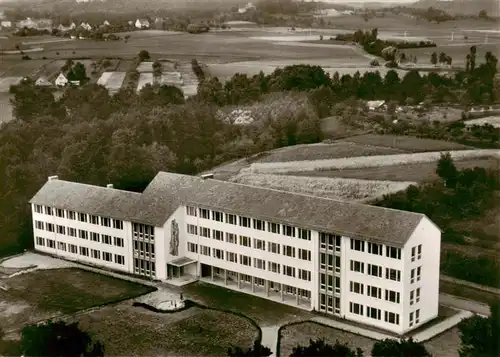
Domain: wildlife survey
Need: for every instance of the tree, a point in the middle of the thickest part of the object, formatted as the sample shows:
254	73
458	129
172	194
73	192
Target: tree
394	348
447	170
318	348
482	14
256	351
55	339
434	58
78	73
143	55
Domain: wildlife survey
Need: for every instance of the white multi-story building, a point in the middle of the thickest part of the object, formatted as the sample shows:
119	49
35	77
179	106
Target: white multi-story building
368	264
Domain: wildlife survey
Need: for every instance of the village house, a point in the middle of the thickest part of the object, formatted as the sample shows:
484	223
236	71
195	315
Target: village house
61	80
43	82
142	23
6	24
248	7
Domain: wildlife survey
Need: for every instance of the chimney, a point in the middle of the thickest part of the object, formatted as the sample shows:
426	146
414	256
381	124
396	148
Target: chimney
207	176
109	185
53	178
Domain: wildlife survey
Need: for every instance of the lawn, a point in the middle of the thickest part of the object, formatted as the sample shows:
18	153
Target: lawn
264	312
324	151
44	293
467	293
334	128
334	188
406	143
410	172
25	68
134	331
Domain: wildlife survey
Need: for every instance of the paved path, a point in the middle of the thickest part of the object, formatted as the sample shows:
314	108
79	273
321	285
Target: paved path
270	338
442	326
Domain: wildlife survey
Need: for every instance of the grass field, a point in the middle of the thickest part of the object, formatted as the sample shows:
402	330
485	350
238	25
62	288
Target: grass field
493	120
334	188
457	50
406	143
411	172
262	311
44	293
50	70
25	68
144	79
467	293
134	331
324	151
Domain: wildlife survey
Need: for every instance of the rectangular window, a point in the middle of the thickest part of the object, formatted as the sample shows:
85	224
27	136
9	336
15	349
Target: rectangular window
83	234
117	224
274	267
355	308
49	227
38	208
373	313
205	232
218	235
119	242
95	237
413	255
40	241
245	260
289	271
412	297
393	252
38	224
273	247
106	222
273	227
417	316
417	295
245	222
411	319
48	210
59	213
374	291
304	254
192	247
337	264
289	251
82	217
245	241
259	263
392	274
231	238
419	271
191	211
391	318
72	232
419	251
94	253
392	296
192	229
70	215
217	216
205	250
61	246
289	231
107	239
357	266
322	260
218	253
107	256
94	219
374	248
204	213
259	225
356	287
375	270
259	244
304	274
412	276
232	257
304	234
51	243
84	251
230	218
73	248
358	245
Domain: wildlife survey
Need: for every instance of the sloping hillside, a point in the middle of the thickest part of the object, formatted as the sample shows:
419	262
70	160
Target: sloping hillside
466	7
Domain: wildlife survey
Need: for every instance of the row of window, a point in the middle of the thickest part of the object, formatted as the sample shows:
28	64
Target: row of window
374	248
144	267
245	241
141	230
373	313
329	283
373	291
247	261
84	251
247	222
414	317
82	217
329	241
377	270
329	304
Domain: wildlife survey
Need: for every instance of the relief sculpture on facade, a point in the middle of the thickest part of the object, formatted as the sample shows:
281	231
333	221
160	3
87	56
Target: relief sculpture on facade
174	239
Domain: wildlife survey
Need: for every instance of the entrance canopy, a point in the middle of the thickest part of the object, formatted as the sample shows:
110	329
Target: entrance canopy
180	262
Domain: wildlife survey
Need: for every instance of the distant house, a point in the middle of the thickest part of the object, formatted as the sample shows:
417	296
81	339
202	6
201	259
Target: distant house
28	23
375	104
43	24
248	7
106	23
142	23
61	80
63	28
6	24
86	26
43	82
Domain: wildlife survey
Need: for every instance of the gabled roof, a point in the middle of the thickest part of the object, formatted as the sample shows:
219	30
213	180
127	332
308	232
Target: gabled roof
168	191
43	81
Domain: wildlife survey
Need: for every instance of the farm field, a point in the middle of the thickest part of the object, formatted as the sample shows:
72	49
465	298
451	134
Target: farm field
41	294
112	81
134	331
51	70
457	49
334	188
145	67
493	120
24	68
125	66
145	79
412	172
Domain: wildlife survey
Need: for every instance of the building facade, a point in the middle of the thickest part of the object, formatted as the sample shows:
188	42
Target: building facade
363	263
